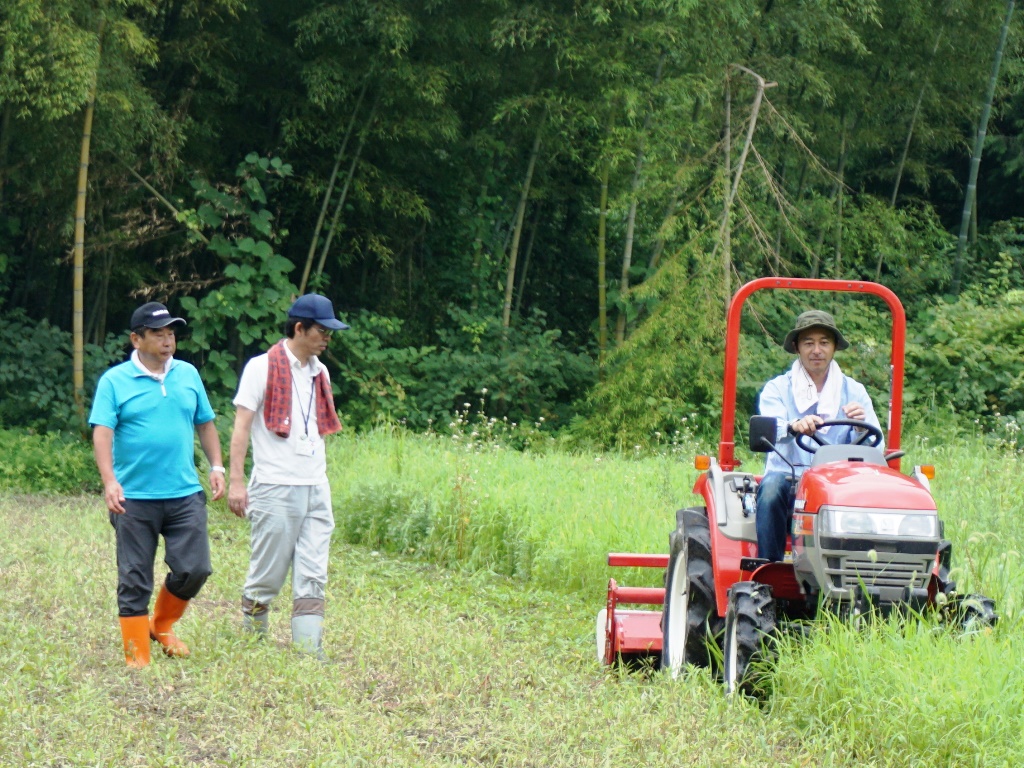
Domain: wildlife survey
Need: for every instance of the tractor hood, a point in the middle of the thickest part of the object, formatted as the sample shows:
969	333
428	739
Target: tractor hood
855	484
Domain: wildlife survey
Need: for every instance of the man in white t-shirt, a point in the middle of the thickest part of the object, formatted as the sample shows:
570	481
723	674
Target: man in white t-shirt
284	404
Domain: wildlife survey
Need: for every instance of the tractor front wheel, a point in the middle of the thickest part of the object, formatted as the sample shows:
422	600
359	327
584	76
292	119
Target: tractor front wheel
690	622
975	613
749	632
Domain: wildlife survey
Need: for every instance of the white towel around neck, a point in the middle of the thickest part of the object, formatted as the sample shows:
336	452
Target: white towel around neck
806	394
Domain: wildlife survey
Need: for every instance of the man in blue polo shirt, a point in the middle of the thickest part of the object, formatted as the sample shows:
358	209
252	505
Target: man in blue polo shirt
145	414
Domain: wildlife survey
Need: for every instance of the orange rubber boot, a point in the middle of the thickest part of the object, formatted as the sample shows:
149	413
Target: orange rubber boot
135	634
168	609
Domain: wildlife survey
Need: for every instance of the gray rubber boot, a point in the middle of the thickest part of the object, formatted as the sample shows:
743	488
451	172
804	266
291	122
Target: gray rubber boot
306	632
255	617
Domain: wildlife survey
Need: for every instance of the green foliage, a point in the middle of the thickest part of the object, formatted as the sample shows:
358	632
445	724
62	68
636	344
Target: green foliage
51	464
247	308
35	374
386	517
527	372
47	61
667	376
376	381
428	111
965	354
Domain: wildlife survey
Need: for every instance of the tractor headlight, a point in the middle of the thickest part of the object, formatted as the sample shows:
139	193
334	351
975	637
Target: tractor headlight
880	523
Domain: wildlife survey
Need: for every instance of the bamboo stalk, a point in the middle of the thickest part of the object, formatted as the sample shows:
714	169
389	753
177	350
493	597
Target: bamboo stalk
602	275
78	273
732	180
510	276
330	188
344	190
526	260
979	144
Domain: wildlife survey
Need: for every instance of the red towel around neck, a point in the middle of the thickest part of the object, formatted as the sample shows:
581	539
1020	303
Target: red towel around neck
277	403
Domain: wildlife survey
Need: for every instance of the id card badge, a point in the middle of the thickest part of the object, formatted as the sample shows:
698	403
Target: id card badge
305	446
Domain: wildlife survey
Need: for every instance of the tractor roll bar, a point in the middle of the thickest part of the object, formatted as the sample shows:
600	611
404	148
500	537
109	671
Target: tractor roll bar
727	446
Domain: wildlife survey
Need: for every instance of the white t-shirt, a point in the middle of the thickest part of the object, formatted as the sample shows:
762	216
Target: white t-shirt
277	460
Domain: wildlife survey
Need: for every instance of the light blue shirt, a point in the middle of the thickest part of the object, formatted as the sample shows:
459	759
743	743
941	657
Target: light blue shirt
777	400
154	428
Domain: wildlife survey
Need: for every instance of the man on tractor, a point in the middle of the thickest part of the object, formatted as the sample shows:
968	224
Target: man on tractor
811	392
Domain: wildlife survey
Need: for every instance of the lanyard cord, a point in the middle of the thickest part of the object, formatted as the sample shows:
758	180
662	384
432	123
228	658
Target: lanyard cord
309	409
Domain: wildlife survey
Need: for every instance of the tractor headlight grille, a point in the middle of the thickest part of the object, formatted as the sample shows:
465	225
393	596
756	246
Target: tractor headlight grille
884	548
854	571
843	521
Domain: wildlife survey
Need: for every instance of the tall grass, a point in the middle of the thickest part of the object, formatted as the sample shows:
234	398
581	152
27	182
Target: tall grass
888	694
549	519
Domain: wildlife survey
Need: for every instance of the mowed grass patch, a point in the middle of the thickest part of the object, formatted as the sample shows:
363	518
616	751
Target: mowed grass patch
429	667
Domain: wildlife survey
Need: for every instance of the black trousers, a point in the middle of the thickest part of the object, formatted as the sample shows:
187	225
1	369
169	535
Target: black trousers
182	523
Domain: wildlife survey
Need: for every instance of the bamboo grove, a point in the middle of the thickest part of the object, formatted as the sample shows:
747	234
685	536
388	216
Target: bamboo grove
538	207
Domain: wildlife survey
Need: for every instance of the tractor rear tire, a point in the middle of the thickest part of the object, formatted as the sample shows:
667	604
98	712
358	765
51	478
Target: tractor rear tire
749	638
690	623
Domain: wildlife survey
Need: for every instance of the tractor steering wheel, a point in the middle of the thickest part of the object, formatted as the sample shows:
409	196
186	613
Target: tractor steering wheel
871	436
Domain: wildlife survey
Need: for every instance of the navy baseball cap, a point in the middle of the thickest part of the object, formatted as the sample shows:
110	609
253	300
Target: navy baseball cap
317	308
153	315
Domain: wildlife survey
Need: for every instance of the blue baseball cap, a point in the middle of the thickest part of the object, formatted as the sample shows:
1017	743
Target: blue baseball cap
317	308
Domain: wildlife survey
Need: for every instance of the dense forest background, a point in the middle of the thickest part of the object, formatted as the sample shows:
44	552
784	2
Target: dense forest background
536	209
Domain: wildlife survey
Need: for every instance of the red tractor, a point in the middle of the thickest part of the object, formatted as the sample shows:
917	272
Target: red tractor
864	537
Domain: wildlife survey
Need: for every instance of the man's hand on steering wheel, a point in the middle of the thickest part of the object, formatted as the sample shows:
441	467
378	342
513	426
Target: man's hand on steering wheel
806	425
870	435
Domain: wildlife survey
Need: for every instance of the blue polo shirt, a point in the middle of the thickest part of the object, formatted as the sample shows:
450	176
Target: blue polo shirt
154	428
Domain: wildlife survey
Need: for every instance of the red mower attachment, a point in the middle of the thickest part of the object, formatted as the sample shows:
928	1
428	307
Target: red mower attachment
631	635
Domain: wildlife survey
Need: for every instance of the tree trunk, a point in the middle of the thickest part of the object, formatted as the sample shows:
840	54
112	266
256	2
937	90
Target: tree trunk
913	122
659	242
732	181
78	282
5	143
840	197
634	192
478	252
330	188
979	144
602	275
95	325
837	190
517	233
627	253
526	260
344	190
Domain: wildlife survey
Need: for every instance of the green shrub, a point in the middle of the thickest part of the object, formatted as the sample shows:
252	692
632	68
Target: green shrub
386	517
531	373
36	374
48	463
964	355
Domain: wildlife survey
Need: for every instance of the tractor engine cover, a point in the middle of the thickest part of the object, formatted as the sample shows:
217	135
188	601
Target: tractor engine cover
863	528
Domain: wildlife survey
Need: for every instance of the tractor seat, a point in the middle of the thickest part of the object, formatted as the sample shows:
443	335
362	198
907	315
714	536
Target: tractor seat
829	453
